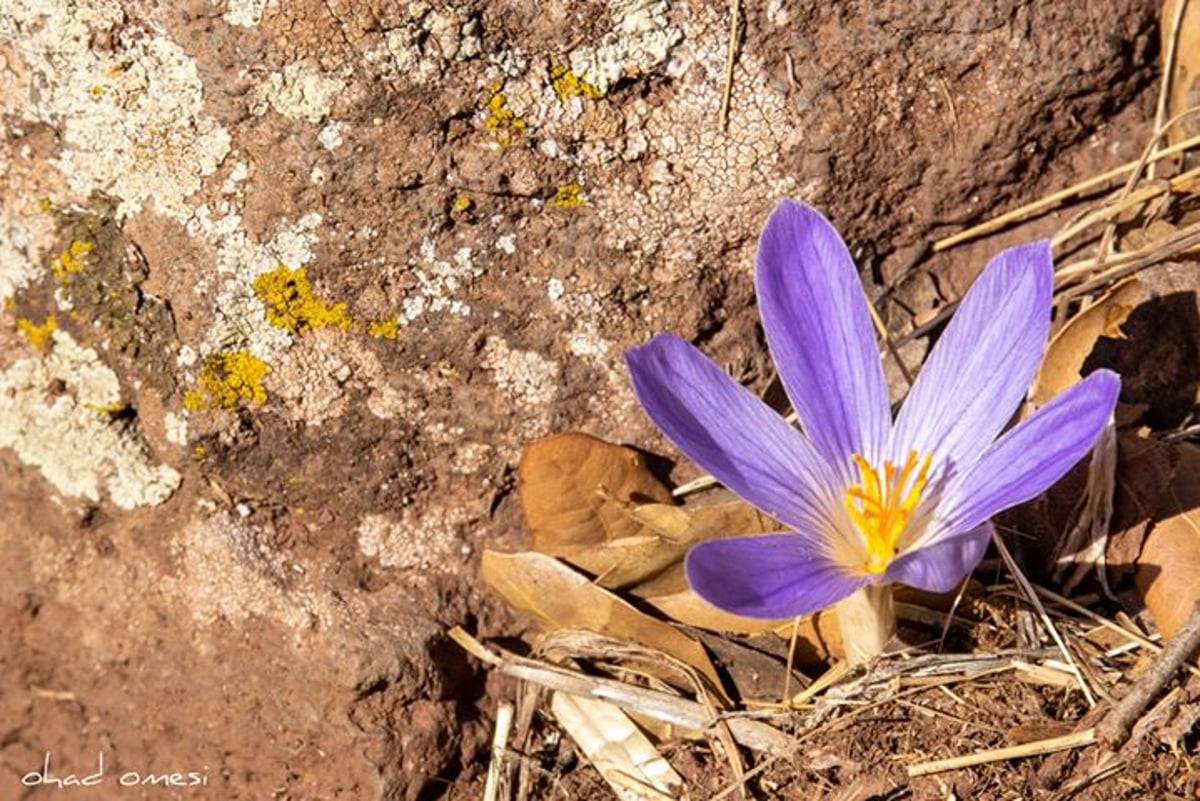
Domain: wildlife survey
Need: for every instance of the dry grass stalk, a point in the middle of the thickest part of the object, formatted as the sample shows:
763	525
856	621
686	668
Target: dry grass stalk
1133	636
655	704
1036	748
1027	588
497	768
1057	198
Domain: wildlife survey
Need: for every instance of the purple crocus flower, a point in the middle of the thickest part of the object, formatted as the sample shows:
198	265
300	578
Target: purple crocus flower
868	498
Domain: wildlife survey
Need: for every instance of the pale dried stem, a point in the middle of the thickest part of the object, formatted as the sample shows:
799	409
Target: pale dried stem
1027	588
735	19
867	620
1036	748
1125	201
1055	198
1168	68
656	704
496	767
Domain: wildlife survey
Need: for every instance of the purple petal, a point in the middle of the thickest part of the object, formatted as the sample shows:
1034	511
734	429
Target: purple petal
729	432
768	576
818	326
1027	460
940	566
981	367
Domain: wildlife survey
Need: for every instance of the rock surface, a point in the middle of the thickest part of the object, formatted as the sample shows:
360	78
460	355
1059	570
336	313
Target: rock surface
286	286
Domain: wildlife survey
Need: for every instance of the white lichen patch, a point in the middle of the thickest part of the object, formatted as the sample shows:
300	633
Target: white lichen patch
639	40
312	378
246	13
176	428
330	135
418	540
241	321
507	243
420	48
56	413
229	571
697	177
299	92
438	280
528	379
470	457
17	269
131	117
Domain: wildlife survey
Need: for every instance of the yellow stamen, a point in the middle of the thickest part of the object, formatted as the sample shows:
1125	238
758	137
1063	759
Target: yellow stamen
881	506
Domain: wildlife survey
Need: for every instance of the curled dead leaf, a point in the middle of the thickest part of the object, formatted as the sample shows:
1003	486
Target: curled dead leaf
1070	347
566	482
1168	569
560	597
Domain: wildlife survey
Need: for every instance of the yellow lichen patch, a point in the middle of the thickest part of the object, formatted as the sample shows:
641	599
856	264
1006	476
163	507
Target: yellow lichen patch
384	329
291	304
502	121
38	335
226	379
463	203
71	260
199	453
568	196
567	84
109	409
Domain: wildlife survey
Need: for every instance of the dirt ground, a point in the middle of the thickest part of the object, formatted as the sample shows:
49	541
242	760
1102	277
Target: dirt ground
287	287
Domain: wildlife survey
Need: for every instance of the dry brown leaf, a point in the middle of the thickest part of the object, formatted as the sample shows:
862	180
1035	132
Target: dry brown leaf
1071	346
616	747
563	480
688	608
1145	467
1184	90
562	598
818	638
649	562
1143	473
654	566
1168	570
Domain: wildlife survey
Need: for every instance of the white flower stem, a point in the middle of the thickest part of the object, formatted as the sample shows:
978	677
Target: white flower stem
868	622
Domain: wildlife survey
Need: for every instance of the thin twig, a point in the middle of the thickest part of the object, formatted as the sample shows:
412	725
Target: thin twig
1181	240
1168	68
787	677
735	15
504	719
1031	594
1054	198
1125	200
1115	727
881	329
653	703
1133	636
1036	748
740	784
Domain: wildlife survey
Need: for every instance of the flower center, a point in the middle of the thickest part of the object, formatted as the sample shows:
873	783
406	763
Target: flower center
882	504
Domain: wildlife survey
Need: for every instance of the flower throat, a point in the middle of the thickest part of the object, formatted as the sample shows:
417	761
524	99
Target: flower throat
882	504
